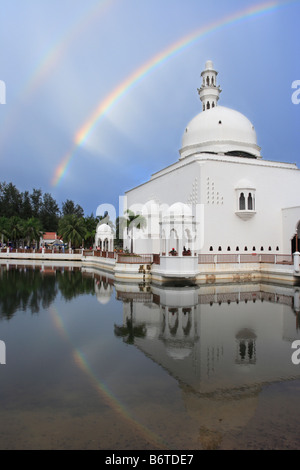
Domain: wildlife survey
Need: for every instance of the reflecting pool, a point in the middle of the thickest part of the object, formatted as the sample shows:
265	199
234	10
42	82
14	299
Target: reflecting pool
92	363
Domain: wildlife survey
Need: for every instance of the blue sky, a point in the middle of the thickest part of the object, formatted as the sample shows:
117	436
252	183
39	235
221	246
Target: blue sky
61	58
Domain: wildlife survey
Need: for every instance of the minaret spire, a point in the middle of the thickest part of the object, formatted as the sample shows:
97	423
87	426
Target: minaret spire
209	91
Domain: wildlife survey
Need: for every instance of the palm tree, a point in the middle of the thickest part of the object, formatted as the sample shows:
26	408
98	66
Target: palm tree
15	229
130	331
131	221
90	227
32	230
4	221
72	229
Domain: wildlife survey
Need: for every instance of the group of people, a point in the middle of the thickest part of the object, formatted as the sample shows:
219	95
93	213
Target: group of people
185	252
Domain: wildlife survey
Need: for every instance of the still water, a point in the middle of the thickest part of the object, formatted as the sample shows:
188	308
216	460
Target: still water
92	363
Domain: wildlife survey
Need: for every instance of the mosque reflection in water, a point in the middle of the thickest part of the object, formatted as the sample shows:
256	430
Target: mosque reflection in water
220	343
211	337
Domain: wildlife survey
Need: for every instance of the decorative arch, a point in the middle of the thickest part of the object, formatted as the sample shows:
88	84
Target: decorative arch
245	194
295	241
173	240
104	238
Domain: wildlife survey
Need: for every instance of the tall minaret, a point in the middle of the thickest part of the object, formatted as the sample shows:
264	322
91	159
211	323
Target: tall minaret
209	91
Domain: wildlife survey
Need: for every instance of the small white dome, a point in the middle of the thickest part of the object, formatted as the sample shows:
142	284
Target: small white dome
220	130
104	228
103	294
179	209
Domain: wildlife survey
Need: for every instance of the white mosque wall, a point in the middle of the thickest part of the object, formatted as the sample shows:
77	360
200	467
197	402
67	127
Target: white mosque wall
215	182
274	187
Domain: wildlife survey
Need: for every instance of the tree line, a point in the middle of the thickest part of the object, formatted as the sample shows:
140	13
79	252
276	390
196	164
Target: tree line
25	216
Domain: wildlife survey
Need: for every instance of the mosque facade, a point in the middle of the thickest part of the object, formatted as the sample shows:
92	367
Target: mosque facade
221	196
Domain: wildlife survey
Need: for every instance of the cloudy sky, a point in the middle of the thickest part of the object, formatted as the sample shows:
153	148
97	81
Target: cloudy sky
95	95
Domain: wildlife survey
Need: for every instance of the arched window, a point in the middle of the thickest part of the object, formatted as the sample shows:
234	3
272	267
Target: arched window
210	248
208	105
228	248
250	202
237	248
261	248
220	248
242	203
207	80
213	105
245	200
246	249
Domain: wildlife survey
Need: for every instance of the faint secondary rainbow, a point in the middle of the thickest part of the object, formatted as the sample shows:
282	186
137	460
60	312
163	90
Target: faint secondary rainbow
61	45
52	56
102	389
105	105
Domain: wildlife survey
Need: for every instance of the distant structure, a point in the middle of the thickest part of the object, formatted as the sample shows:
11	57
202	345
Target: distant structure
220	196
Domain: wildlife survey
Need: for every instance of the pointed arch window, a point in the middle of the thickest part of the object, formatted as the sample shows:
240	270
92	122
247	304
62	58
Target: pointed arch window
245	202
242	202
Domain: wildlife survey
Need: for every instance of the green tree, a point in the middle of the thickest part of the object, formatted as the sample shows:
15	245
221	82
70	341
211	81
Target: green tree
32	231
10	200
68	208
49	213
25	209
36	202
4	229
90	226
72	230
15	230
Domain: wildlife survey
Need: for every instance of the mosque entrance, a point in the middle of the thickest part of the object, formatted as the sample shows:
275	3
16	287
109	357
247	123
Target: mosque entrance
295	241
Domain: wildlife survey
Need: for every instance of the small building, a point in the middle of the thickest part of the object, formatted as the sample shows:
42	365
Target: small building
104	238
50	239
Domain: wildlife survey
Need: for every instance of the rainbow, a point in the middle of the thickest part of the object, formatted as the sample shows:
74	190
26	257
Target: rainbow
124	87
101	388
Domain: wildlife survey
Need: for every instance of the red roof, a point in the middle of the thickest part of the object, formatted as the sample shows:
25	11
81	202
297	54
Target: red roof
50	236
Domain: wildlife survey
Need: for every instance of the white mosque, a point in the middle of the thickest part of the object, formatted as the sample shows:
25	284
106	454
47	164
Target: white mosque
221	196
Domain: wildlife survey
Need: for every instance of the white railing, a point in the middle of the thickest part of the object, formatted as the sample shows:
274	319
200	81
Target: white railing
244	258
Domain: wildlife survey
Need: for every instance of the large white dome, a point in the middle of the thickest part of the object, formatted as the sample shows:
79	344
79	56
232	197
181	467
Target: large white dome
220	130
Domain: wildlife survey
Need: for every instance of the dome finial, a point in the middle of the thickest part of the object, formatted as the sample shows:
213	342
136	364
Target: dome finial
209	91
